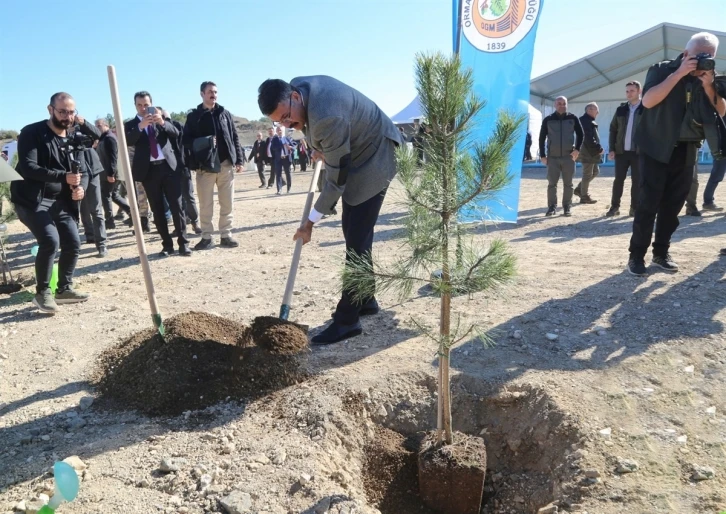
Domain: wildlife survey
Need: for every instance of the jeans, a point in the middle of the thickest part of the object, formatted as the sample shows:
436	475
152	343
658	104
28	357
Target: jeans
556	167
110	195
623	161
53	227
717	173
94	224
663	191
284	165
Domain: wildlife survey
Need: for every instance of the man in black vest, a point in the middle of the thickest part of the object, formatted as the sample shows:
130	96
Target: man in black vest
675	92
46	201
155	166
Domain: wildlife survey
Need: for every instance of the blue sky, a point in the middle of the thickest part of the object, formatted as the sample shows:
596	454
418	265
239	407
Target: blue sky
169	47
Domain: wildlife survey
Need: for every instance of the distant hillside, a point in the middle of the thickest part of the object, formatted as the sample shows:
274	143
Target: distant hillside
248	130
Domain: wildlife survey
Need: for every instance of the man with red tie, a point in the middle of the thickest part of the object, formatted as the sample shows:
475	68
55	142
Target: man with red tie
155	166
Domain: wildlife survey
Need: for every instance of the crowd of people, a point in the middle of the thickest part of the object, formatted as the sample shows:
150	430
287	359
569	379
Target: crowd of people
656	135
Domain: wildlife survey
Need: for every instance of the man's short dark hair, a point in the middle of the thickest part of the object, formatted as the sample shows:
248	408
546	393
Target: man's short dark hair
142	94
270	93
634	83
59	96
205	85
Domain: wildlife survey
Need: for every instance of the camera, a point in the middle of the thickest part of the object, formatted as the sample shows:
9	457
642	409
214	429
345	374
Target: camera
77	142
705	62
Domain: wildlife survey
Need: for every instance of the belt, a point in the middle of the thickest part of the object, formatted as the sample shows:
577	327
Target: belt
158	163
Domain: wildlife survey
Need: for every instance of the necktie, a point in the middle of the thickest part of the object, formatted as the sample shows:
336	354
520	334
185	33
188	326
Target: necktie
152	142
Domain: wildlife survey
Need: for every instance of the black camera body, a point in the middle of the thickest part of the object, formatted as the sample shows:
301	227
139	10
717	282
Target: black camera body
77	142
705	62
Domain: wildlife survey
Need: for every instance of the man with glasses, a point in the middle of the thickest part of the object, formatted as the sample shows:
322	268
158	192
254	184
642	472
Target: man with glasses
357	141
211	119
46	201
623	149
680	100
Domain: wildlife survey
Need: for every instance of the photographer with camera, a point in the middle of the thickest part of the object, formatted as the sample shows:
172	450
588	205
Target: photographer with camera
155	166
682	104
46	201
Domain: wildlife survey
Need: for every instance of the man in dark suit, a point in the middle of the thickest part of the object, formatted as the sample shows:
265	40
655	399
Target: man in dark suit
357	142
155	166
273	147
185	174
258	156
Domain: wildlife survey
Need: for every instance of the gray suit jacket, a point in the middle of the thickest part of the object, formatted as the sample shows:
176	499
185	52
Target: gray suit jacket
357	139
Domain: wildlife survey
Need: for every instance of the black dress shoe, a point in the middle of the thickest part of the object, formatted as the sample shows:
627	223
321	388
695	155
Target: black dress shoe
166	252
185	251
337	332
369	308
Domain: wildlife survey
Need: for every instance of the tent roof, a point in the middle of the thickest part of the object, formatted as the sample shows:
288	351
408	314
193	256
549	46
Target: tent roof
618	62
409	113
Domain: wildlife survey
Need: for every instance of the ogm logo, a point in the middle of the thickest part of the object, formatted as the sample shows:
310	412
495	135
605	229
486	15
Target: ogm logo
498	25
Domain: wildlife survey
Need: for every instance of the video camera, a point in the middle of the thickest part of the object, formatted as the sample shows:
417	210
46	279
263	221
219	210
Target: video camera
706	62
77	142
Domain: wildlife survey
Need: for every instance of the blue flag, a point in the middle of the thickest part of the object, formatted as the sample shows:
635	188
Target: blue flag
495	38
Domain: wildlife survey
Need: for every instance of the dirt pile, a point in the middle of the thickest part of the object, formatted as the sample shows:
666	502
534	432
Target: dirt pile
202	360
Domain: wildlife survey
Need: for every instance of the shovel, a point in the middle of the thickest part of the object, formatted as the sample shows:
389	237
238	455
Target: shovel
278	334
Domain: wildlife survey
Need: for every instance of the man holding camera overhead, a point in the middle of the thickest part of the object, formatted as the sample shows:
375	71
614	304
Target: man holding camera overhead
680	100
155	166
47	199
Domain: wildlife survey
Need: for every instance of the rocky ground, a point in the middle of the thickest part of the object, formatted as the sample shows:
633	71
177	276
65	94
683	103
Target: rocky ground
604	393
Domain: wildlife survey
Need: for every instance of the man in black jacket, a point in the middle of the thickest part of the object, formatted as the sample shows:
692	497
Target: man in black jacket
187	184
623	150
46	201
675	95
211	119
92	218
258	156
107	150
590	152
563	133
155	166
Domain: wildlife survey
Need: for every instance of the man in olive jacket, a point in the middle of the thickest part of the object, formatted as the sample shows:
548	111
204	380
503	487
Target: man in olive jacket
590	152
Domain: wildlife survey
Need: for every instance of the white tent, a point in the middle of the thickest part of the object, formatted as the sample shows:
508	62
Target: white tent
601	77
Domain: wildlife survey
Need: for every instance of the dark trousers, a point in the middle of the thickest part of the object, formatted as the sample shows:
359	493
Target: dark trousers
161	182
663	191
53	227
284	165
692	198
717	173
110	195
94	223
623	161
261	170
358	223
274	165
188	200
303	162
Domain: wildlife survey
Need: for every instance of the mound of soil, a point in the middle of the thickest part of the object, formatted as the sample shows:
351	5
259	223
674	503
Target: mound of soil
202	360
390	474
278	336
